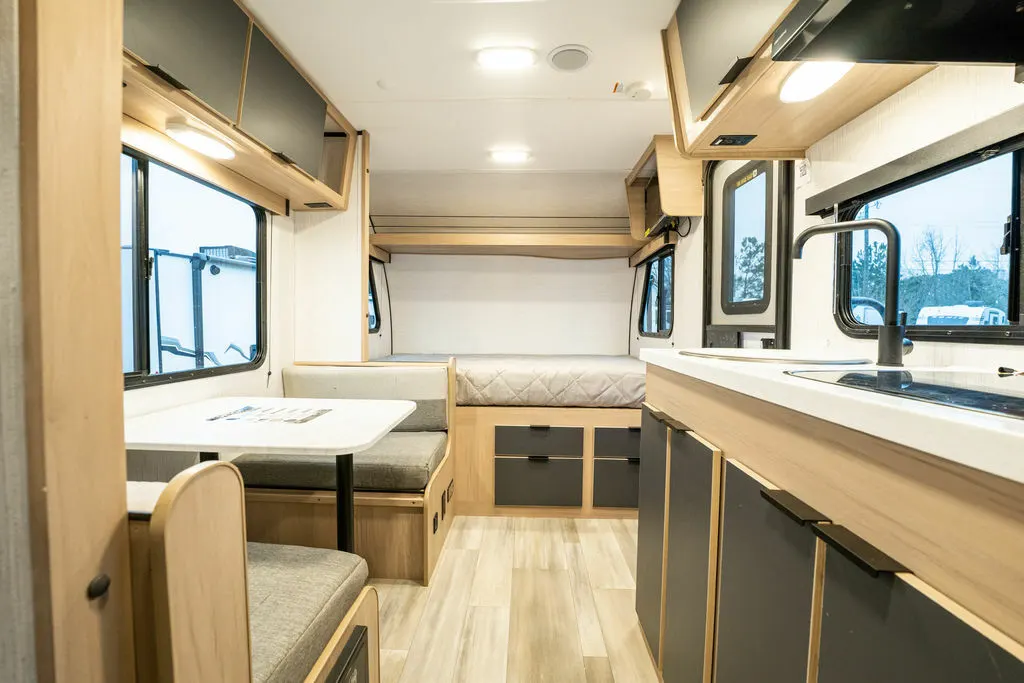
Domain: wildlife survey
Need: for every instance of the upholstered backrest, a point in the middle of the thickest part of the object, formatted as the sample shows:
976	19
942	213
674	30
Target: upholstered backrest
426	384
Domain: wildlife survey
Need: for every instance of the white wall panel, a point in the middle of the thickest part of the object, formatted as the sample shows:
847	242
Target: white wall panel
509	304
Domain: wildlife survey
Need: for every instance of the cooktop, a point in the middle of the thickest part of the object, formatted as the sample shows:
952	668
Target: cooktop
982	392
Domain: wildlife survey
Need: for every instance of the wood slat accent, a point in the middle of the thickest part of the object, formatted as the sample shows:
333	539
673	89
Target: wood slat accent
959	530
554	245
69	97
364	240
817	602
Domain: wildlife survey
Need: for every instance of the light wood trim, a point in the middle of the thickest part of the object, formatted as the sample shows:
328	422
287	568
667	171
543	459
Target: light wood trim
664	548
653	247
958	529
143	619
817	602
714	553
636	200
433	543
554	245
162	148
680	179
765	484
366	364
390	500
245	70
478	510
69	98
199	569
364	612
588	466
638	167
364	241
348	174
379	254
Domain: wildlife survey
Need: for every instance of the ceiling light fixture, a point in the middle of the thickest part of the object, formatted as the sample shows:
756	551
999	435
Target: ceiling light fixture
510	156
199	141
506	58
810	79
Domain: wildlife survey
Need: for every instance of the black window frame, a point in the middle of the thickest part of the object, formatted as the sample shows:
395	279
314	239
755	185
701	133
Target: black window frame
977	334
732	183
658	260
375	303
141	275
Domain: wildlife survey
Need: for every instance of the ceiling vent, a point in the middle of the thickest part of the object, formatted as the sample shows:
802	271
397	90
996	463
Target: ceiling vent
569	57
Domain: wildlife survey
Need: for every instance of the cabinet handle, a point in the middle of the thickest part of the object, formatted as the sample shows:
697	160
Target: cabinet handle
735	70
165	75
539	428
285	158
634	429
538	458
857	550
98	587
633	461
794	508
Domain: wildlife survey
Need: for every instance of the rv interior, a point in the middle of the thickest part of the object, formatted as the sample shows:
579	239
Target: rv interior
567	341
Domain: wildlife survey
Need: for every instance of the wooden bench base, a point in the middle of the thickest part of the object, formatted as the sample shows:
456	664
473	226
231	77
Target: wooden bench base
399	534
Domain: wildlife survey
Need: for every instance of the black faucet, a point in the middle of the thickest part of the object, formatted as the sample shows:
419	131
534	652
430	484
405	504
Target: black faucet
892	332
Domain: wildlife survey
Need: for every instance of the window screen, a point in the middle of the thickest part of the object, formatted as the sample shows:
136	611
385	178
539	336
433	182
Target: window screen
656	315
746	239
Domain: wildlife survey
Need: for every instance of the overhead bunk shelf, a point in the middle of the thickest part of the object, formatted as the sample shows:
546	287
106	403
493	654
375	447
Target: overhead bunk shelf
552	245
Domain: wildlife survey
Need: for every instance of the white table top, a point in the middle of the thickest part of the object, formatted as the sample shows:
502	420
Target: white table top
142	496
350	426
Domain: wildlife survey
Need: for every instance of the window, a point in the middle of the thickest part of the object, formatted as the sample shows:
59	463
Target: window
373	310
192	276
656	307
746	239
960	263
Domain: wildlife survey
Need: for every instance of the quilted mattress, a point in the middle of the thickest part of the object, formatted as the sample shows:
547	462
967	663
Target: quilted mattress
545	381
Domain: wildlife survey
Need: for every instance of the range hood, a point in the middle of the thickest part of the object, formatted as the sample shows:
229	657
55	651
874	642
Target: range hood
903	31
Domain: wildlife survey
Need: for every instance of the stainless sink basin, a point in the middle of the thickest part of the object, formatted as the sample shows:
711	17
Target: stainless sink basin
772	356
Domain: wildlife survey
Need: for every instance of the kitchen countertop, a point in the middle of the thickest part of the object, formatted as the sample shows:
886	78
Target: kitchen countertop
986	442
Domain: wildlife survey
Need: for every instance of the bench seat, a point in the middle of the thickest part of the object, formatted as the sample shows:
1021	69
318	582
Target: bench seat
400	462
297	598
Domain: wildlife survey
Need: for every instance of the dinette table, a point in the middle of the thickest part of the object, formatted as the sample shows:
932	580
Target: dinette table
221	428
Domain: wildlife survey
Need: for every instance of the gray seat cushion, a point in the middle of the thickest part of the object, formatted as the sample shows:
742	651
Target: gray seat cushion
401	461
297	599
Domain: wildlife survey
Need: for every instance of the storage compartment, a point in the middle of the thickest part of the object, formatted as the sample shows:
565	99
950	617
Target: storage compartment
617	442
197	44
280	108
650	545
538	481
664	191
616	483
539	440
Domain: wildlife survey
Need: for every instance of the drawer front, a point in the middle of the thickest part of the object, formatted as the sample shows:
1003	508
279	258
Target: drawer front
539	440
616	483
616	442
556	482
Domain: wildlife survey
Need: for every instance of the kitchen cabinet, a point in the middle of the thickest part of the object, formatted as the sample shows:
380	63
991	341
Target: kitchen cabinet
650	546
280	108
766	581
695	475
664	183
884	626
198	43
538	465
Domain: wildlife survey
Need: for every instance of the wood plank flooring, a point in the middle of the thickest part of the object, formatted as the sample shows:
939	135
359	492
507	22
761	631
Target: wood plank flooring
516	600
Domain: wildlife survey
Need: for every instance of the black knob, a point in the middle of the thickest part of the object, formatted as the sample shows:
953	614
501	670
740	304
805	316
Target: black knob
98	587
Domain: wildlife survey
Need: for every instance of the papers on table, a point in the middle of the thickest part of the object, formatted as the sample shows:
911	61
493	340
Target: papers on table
270	414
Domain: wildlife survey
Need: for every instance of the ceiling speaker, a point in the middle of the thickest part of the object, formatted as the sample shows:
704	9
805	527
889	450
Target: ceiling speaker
569	57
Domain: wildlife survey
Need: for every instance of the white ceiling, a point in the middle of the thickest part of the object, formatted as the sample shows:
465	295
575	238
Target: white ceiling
439	112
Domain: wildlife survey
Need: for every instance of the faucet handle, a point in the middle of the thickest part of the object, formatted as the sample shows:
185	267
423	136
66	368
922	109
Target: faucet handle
901	318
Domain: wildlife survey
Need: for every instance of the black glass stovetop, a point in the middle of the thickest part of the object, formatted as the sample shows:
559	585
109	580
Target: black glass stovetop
987	393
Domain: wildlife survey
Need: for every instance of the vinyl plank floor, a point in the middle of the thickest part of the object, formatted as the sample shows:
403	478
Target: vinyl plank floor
627	651
539	543
587	622
544	645
492	583
483	653
627	543
400	612
599	670
605	561
391	664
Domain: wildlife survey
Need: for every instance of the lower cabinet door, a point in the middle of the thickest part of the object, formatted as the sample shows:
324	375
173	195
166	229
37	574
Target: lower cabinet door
616	483
650	543
891	628
766	582
694	476
542	481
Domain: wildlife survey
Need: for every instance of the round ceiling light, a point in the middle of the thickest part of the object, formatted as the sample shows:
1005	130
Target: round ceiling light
569	57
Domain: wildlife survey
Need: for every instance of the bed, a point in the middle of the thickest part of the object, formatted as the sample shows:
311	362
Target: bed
544	381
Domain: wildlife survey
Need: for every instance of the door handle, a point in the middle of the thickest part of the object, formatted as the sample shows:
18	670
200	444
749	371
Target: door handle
98	587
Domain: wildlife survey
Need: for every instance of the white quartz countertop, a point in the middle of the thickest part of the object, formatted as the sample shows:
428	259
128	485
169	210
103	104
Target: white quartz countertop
986	442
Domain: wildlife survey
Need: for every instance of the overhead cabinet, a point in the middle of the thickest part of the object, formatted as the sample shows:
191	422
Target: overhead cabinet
724	87
280	108
199	44
664	191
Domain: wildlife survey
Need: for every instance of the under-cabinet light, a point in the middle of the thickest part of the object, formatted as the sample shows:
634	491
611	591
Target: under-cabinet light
810	79
198	141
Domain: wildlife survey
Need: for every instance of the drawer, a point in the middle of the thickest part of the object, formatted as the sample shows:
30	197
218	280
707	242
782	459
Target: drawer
549	482
616	442
539	440
616	483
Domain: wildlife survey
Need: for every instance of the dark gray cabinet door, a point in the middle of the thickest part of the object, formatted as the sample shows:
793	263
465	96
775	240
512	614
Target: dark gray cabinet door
200	43
280	108
554	482
538	440
883	630
714	34
651	526
691	480
616	483
765	587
